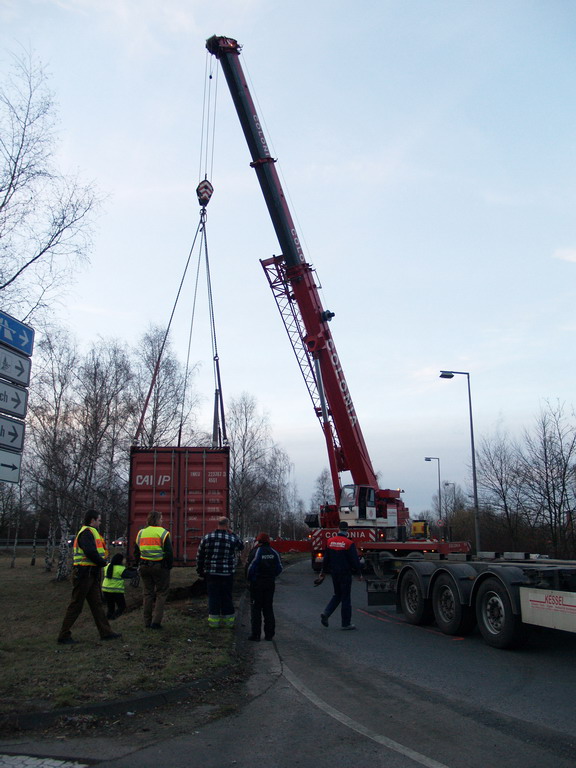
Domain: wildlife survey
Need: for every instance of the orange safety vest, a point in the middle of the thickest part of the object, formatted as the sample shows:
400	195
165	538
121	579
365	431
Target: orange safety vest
150	541
79	556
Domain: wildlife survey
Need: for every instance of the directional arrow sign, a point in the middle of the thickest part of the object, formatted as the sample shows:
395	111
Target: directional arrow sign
11	433
14	367
15	334
9	466
13	400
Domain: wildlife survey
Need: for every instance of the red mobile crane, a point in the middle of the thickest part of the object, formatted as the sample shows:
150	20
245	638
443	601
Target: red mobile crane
501	592
378	518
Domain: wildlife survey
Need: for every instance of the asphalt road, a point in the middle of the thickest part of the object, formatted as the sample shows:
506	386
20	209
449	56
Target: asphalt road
389	694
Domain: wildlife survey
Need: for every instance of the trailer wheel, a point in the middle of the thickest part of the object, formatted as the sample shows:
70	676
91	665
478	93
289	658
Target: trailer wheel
499	626
451	616
416	609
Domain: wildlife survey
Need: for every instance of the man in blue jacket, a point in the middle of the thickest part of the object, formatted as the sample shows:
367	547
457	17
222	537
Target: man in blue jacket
264	564
341	561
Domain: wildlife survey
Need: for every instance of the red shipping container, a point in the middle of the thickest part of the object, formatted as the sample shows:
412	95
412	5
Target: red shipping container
189	486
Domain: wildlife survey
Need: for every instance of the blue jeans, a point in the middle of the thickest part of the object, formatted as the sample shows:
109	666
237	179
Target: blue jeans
342	585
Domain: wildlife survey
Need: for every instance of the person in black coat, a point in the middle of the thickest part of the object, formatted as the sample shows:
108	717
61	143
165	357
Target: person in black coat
264	565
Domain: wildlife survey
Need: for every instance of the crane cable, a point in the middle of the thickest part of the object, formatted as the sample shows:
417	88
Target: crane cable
204	193
164	340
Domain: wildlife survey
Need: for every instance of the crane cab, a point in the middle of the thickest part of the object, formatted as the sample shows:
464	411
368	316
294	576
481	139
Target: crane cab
362	505
357	504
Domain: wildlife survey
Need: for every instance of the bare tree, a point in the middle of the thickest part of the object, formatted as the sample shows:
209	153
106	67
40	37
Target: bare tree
103	392
44	215
547	464
273	503
162	392
323	492
500	479
53	442
250	444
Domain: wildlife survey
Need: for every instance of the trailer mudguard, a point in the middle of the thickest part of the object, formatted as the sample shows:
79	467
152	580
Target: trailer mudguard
423	569
463	575
512	578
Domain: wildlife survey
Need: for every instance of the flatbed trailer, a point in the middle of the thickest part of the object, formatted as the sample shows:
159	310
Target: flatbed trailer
499	592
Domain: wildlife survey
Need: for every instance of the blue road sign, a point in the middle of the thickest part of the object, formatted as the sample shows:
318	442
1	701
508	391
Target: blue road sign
15	334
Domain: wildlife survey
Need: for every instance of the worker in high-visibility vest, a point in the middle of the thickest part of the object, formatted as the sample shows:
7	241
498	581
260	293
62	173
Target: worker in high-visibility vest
90	553
154	557
113	586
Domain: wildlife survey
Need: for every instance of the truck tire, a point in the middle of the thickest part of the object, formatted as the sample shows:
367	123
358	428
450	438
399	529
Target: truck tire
452	618
416	609
499	626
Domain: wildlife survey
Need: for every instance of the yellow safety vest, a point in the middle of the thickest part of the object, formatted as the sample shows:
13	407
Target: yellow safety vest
150	541
114	583
79	556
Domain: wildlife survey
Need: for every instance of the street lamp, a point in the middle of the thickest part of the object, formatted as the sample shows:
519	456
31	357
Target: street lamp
450	375
435	458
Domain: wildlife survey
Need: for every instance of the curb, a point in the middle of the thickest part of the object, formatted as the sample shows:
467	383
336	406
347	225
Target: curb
27	721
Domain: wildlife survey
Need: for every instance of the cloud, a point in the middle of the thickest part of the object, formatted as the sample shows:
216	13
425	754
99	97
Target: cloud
565	254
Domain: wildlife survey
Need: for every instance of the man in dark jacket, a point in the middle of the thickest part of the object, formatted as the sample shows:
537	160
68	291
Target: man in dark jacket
264	564
341	561
90	555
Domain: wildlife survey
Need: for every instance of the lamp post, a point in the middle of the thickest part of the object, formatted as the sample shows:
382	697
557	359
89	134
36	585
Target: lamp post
450	375
435	458
452	514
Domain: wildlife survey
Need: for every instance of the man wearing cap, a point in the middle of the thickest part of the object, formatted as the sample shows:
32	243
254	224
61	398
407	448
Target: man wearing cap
264	564
341	561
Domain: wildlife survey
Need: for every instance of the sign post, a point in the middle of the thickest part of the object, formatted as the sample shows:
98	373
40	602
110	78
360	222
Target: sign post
16	345
16	335
10	466
15	367
13	400
11	433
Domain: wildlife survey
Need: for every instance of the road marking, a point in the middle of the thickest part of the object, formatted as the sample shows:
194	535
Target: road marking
358	727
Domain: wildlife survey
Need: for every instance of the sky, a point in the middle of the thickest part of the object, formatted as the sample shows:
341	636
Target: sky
428	152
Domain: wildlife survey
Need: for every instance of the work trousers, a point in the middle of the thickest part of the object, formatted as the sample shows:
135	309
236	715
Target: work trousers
342	587
86	586
115	603
155	586
220	601
261	606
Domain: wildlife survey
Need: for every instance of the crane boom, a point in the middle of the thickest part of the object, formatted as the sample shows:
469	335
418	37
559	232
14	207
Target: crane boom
345	442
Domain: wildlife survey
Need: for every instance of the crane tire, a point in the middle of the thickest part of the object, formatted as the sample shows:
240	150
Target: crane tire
452	617
416	609
499	625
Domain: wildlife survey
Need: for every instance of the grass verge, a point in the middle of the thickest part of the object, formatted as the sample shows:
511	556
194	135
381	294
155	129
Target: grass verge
40	675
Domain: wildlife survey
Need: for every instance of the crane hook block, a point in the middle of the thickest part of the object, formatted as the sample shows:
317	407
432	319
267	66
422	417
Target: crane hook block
204	192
